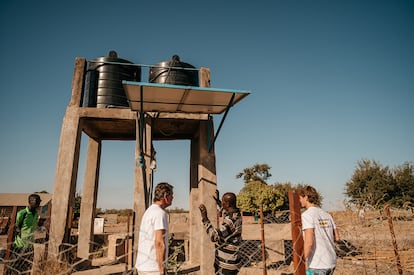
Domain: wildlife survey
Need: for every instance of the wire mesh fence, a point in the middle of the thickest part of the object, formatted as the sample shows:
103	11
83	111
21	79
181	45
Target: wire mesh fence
372	242
375	241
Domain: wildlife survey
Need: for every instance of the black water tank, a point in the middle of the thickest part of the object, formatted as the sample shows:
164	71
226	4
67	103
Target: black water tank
174	72
103	84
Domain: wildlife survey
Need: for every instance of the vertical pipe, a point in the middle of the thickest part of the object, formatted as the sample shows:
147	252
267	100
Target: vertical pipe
141	126
263	240
394	240
297	238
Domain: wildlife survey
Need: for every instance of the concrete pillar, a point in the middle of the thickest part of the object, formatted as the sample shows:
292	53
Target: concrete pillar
38	258
203	188
89	198
116	247
142	181
67	165
65	181
77	82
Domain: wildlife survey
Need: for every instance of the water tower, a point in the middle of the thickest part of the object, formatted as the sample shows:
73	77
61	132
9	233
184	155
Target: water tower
177	99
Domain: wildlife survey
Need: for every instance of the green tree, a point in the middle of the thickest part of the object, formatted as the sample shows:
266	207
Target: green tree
258	172
78	200
404	181
284	188
376	185
256	192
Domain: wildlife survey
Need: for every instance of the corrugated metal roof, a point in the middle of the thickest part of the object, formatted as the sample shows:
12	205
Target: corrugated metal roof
21	199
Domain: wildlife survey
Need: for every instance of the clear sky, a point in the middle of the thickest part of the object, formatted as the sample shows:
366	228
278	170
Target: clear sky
331	82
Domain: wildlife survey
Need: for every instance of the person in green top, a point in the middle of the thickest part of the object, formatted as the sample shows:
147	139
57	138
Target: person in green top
27	220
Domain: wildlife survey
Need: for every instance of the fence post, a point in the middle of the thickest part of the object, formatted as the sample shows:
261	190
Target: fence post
126	248
263	240
394	240
297	238
10	239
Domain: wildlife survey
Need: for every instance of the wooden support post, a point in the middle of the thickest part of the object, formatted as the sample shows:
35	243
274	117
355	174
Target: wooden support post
394	240
10	239
297	238
263	240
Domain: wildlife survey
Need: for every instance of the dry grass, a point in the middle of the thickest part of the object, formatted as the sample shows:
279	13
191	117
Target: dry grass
47	267
372	239
372	250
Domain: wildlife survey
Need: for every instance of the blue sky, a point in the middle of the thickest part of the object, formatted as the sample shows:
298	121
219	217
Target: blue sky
331	83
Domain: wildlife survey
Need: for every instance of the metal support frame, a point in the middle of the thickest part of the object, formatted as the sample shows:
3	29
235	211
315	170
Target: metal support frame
141	158
229	105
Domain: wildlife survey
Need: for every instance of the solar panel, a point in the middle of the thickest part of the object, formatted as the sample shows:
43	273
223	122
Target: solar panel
155	97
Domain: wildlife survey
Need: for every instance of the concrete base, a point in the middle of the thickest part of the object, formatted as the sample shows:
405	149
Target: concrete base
116	247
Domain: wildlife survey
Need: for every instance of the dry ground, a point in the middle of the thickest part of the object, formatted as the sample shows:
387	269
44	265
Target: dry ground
371	240
371	250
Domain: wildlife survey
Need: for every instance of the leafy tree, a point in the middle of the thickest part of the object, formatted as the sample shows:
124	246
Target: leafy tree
284	188
111	211
258	172
376	185
177	210
404	181
76	207
256	192
125	212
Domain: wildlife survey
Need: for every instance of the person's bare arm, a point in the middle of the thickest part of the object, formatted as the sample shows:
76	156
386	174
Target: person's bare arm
309	239
160	246
336	235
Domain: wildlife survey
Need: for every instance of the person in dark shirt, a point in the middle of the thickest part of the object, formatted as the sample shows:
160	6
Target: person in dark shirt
227	237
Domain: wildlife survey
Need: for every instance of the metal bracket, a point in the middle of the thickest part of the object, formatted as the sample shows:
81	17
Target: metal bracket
229	105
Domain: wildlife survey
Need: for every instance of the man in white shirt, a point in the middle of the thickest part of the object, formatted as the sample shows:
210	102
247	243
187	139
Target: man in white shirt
319	233
153	234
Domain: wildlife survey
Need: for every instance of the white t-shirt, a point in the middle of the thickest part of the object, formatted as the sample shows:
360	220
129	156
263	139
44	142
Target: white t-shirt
154	218
324	255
